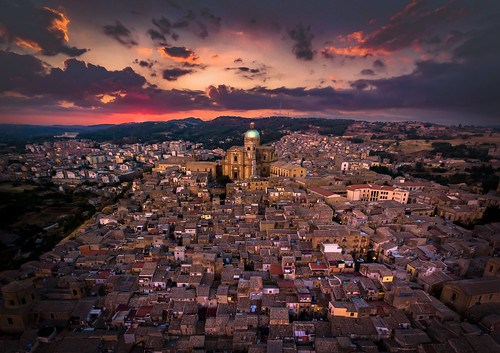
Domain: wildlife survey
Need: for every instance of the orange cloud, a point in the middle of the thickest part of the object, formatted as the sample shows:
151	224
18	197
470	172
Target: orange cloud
351	50
27	43
356	36
144	51
59	25
348	51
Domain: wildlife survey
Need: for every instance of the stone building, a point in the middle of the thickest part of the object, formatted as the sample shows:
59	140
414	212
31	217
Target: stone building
280	168
18	299
249	160
462	294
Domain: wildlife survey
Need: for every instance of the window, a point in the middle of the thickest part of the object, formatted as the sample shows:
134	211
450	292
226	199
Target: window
52	316
453	296
23	301
32	296
235	158
75	292
11	302
10	321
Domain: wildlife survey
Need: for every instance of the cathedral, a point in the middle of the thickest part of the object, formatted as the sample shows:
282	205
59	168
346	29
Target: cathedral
250	160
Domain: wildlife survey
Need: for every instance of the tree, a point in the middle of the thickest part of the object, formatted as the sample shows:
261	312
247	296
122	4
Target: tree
223	180
490	215
490	183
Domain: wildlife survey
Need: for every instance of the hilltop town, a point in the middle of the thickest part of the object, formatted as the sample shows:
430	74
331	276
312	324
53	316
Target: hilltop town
373	241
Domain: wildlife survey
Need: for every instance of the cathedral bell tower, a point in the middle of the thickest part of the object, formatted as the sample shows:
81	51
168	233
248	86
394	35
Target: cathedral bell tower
252	141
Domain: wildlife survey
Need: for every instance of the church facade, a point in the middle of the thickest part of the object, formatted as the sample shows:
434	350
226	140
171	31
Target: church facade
250	160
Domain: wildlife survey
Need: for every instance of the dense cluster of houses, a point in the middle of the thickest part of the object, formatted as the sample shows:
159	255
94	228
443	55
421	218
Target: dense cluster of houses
277	264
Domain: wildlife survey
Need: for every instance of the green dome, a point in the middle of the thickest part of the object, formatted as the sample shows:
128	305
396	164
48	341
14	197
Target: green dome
252	134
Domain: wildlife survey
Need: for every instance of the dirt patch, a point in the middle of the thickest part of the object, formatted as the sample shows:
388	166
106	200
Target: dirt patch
50	214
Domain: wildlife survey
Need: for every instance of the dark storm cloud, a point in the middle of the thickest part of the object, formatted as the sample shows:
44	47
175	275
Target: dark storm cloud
145	63
411	26
303	42
155	35
202	30
43	29
200	22
359	85
163	28
180	52
121	33
233	98
153	100
299	99
174	73
163	24
478	44
470	86
379	65
84	84
16	69
78	82
367	72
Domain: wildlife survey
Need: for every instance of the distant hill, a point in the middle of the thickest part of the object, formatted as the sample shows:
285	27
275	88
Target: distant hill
224	131
20	133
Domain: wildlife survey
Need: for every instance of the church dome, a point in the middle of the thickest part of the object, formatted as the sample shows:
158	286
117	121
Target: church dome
252	133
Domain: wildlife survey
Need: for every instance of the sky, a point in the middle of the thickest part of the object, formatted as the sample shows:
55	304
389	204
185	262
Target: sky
99	62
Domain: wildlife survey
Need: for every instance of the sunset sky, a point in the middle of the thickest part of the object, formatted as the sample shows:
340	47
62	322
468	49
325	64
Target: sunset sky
94	62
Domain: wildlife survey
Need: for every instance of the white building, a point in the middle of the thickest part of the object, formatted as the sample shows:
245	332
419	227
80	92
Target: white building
369	192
